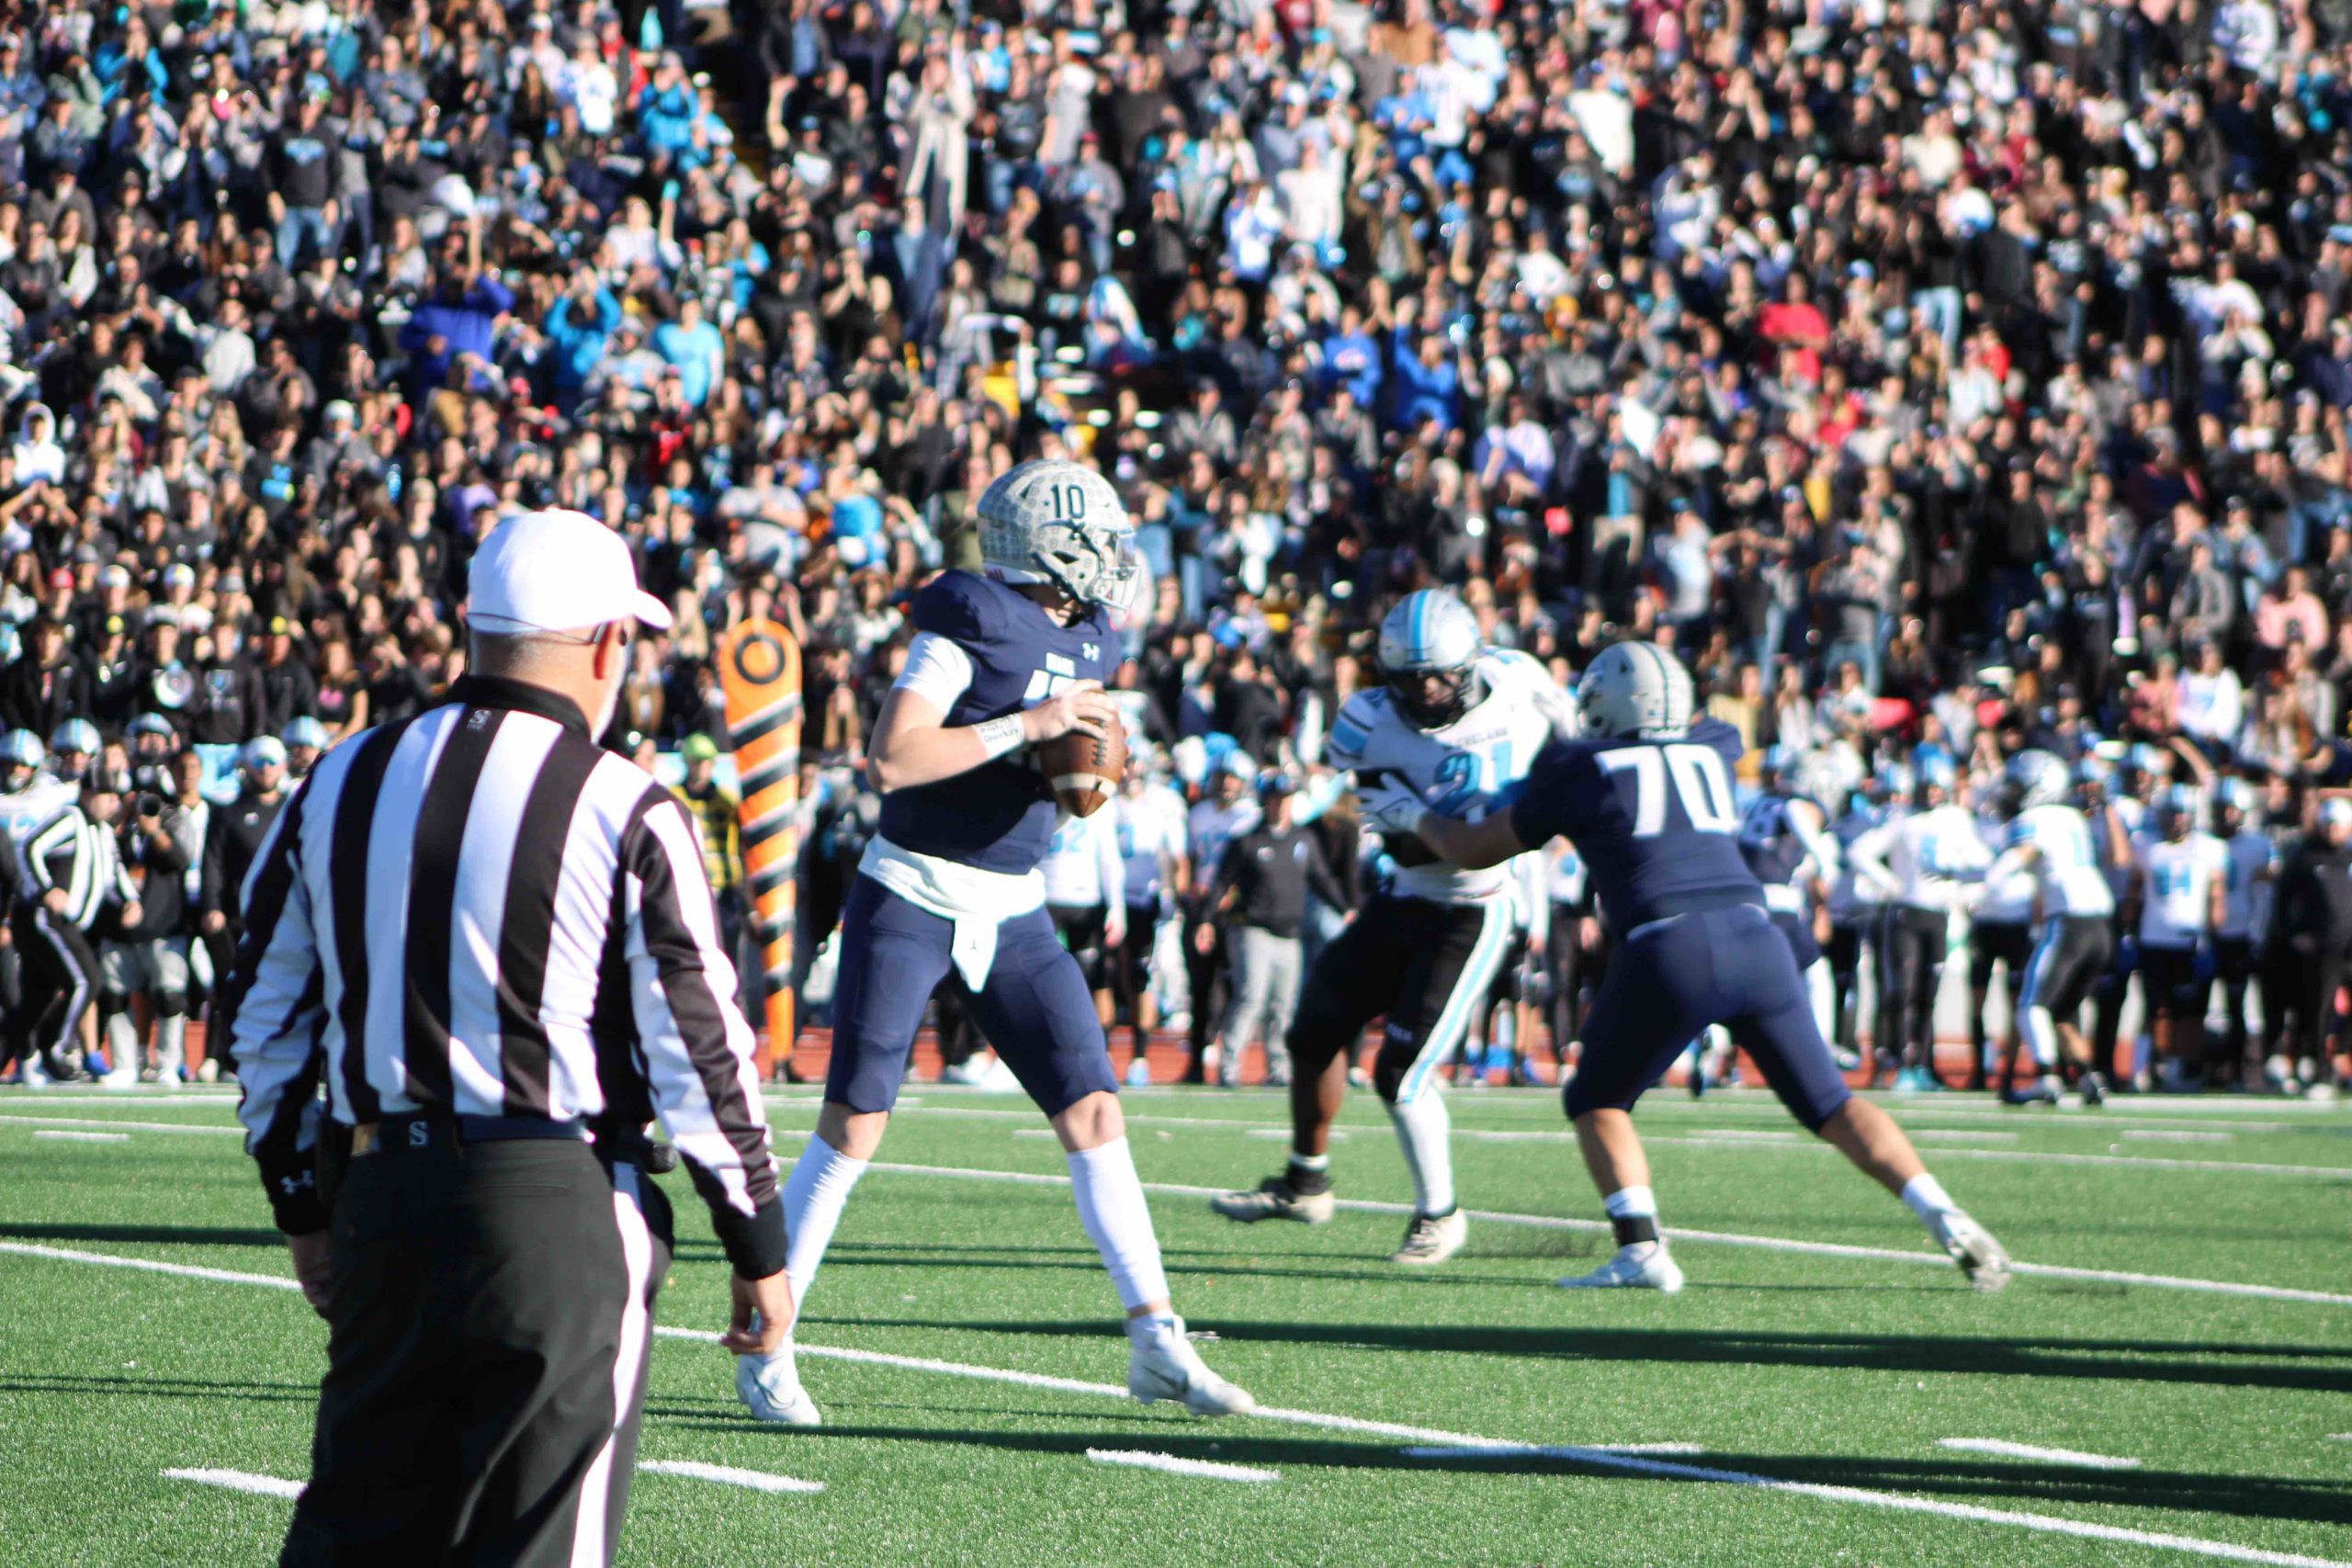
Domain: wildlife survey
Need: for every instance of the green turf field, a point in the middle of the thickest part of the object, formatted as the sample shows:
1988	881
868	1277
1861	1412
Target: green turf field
1809	1395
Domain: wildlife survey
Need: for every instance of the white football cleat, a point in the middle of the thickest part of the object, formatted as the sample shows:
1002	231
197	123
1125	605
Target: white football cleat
120	1077
1972	1247
1431	1240
1163	1365
770	1388
1644	1266
33	1072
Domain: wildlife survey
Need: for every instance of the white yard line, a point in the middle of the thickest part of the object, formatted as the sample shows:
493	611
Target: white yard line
2026	1157
1718	1138
128	1126
2174	1135
1548	1450
1603	1458
240	1481
1207	1470
728	1475
2027	1450
1959	1136
72	1137
145	1098
1725	1238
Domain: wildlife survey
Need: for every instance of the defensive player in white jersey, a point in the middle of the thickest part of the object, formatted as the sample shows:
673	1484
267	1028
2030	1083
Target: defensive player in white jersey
1923	863
2050	842
2181	891
1456	723
1086	894
2246	912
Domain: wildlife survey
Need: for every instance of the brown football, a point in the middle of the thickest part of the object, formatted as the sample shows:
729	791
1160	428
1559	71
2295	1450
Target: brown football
1084	773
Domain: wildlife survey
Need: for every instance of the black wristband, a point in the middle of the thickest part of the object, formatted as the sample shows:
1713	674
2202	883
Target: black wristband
293	1189
755	1243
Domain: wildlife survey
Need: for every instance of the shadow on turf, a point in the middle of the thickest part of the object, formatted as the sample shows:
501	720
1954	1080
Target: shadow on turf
164	1388
1084	1259
2181	1492
194	1235
2129	1361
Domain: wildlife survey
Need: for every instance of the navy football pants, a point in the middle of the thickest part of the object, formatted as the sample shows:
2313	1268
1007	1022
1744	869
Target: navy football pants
1668	980
1035	1010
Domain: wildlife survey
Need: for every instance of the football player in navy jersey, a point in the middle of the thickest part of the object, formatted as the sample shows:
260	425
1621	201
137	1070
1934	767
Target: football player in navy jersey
1647	801
1003	658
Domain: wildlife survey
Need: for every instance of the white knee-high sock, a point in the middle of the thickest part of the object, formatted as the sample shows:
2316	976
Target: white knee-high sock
1110	1206
1425	1132
122	1043
814	1196
171	1045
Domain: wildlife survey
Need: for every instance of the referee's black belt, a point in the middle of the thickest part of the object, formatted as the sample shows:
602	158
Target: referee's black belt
425	1130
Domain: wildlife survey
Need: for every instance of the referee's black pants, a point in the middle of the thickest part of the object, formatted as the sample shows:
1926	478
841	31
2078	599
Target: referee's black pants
491	1312
58	982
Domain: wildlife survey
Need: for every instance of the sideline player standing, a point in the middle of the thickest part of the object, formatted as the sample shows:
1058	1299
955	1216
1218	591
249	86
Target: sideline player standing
2182	893
1000	661
1455	723
1924	863
1649	805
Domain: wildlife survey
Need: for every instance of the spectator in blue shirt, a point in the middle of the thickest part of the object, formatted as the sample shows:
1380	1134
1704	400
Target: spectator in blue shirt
694	347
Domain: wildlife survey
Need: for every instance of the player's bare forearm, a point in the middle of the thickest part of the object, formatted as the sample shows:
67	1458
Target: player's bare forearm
1472	846
914	745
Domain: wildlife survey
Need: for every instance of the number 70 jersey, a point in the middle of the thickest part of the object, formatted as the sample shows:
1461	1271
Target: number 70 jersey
1653	819
1475	762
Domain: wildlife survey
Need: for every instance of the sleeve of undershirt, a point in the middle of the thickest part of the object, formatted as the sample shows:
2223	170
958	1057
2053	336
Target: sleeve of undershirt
938	670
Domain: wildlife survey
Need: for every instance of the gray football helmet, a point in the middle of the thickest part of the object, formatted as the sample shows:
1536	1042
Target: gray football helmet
1060	523
1637	689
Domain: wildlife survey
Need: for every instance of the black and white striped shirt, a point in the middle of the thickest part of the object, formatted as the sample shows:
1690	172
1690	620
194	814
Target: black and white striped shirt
479	911
69	850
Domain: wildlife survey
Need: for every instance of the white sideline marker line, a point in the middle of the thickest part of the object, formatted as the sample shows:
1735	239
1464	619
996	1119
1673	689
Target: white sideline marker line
1637	1463
1549	1450
2028	1451
1961	1135
1207	1470
74	1138
728	1475
2174	1135
240	1481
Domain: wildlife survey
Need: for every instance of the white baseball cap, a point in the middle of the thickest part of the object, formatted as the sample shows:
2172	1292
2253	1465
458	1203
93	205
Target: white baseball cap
557	571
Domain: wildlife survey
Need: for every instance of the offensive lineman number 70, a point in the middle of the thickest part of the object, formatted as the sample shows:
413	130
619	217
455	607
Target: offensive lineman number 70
1698	778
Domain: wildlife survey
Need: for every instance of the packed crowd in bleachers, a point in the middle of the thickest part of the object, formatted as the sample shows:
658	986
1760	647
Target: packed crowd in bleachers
1939	381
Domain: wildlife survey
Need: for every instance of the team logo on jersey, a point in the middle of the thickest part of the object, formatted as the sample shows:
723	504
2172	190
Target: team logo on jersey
1091	652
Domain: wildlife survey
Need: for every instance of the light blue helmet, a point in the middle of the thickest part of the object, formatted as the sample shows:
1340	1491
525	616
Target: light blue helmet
22	748
1782	761
1430	635
1936	771
306	731
1637	689
2239	795
1892	779
262	752
1060	523
75	735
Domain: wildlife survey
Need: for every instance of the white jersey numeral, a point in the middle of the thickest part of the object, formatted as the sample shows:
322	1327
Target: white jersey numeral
1698	778
1059	674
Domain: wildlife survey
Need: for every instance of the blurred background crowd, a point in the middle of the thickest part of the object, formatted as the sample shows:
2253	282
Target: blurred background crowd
1938	379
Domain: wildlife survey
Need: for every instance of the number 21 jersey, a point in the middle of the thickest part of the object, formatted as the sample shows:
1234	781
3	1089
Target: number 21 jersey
1653	820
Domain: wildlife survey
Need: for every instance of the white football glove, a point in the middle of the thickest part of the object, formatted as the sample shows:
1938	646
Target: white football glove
1392	808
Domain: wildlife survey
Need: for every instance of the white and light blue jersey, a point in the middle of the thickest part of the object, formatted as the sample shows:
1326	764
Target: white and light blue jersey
2070	872
2177	894
1461	769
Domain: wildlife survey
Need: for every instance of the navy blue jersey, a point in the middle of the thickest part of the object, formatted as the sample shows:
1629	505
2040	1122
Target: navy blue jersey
1653	819
1000	816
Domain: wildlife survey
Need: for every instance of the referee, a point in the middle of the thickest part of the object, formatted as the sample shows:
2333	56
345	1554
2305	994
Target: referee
492	943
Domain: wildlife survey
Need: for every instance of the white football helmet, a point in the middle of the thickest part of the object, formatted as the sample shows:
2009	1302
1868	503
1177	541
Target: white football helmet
1428	634
1060	523
1637	689
2036	778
